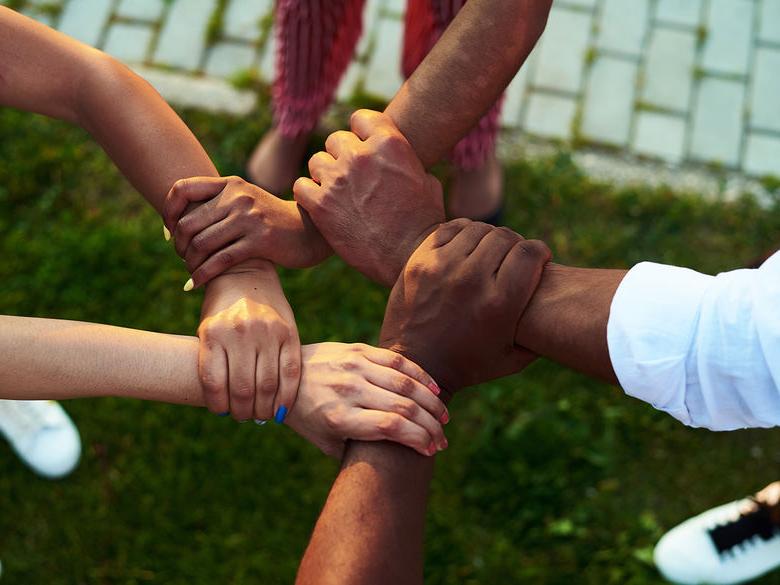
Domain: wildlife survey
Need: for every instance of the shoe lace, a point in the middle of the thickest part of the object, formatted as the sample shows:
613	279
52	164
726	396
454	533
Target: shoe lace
762	520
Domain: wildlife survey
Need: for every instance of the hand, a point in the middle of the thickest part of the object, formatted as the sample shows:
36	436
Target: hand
371	197
455	307
365	393
239	221
250	354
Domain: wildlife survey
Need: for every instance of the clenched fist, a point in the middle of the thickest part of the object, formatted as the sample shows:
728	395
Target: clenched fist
370	196
455	307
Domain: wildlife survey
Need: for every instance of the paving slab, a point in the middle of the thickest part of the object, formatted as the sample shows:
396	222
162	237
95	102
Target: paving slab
183	37
718	121
129	42
383	76
681	12
227	59
609	101
85	20
668	73
762	155
729	30
765	100
150	10
563	49
660	135
243	18
623	25
550	115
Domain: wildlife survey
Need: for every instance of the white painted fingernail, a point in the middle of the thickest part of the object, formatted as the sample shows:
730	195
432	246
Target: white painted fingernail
189	285
166	234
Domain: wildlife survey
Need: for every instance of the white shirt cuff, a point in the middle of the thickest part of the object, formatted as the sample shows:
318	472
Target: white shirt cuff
651	327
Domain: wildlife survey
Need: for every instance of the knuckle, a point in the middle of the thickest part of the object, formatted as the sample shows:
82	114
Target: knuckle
242	392
405	386
334	419
291	369
350	364
390	425
344	388
397	361
226	258
268	385
406	409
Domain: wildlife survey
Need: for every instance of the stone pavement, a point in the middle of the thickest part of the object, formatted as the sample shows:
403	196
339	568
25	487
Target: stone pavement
682	82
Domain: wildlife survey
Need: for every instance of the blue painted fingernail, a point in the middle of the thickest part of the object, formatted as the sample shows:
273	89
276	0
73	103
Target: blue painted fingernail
260	421
280	414
224	413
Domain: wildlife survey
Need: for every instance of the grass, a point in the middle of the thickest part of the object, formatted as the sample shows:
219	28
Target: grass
550	478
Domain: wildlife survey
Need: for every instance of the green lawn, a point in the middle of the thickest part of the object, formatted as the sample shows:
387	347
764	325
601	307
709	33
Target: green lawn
550	477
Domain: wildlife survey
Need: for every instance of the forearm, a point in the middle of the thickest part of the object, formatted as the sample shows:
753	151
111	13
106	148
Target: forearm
566	320
55	359
47	72
371	529
464	74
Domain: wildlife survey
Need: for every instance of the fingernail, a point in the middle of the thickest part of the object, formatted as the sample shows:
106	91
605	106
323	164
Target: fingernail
280	414
226	413
260	421
166	234
432	449
444	444
434	388
445	418
189	285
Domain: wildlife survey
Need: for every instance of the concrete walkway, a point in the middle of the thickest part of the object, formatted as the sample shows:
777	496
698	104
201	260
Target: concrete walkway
682	82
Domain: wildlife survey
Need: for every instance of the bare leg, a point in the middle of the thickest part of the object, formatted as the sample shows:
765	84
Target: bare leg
315	42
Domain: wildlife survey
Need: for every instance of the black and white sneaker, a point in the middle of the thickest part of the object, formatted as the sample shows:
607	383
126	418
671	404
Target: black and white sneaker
728	544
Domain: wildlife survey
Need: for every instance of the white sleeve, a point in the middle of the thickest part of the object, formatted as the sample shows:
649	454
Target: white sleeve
705	349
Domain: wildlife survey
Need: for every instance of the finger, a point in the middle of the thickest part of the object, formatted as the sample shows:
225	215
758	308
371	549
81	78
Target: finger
267	379
391	359
492	249
407	387
220	261
340	142
319	165
210	241
289	378
195	222
444	234
366	123
241	381
307	193
520	272
373	425
185	191
466	241
212	371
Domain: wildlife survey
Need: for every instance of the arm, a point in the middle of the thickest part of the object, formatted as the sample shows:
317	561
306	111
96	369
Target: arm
44	71
566	321
465	72
54	359
448	309
47	72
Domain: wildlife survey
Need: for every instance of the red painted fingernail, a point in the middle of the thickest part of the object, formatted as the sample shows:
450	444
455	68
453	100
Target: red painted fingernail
434	388
432	449
445	443
445	418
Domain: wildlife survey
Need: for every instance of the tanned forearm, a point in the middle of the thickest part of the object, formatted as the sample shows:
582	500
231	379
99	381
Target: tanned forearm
464	74
44	71
566	320
371	529
57	359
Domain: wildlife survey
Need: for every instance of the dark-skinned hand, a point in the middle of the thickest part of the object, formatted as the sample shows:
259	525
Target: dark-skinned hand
455	307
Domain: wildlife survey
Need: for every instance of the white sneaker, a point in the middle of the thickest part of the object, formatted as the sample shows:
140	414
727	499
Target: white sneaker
42	434
729	544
